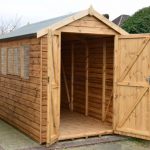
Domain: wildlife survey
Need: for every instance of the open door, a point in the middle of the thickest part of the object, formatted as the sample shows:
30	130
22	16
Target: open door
132	86
53	108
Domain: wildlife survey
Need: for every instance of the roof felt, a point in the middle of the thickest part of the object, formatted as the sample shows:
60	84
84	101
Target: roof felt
33	28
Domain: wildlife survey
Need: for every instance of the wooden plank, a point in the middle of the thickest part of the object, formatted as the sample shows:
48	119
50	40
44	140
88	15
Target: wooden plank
72	76
86	80
130	65
135	36
133	84
104	81
49	90
131	109
41	87
116	71
89	30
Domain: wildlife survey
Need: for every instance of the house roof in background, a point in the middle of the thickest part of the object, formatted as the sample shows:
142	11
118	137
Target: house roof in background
120	20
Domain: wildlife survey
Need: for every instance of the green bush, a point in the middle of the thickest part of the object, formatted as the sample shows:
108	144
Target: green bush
139	22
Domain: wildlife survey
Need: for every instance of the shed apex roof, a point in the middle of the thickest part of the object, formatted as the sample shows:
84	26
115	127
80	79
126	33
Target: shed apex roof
33	28
41	28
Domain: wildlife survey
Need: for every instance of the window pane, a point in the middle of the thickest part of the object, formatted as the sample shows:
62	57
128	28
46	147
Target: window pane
10	61
25	62
16	62
3	61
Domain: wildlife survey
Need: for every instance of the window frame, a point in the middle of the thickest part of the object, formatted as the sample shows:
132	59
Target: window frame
23	55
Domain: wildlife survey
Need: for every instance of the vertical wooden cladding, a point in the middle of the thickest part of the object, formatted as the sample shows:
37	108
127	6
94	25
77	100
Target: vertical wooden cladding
78	73
96	78
79	76
43	87
66	63
20	98
88	66
132	91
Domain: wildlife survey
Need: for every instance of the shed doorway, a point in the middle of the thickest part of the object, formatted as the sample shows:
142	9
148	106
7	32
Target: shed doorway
86	85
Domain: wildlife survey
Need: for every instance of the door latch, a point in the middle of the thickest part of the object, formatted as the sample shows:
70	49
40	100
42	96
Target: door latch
148	79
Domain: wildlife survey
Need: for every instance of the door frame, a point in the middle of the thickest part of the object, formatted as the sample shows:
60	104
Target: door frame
51	34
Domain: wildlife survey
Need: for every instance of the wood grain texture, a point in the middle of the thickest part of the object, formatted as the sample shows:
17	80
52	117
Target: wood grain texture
20	98
132	89
79	126
94	72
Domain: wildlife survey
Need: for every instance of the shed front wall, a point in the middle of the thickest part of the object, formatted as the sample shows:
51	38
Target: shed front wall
88	24
85	25
24	102
20	99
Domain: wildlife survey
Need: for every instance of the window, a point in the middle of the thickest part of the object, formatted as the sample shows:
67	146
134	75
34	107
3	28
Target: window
25	62
15	61
3	62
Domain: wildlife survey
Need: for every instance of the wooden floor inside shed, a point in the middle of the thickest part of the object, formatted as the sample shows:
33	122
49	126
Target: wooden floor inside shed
74	125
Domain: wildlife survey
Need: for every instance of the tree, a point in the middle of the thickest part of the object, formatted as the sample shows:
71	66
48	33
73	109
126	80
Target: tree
139	22
9	26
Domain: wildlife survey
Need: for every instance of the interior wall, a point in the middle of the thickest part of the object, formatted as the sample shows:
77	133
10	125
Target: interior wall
79	46
66	65
109	78
95	77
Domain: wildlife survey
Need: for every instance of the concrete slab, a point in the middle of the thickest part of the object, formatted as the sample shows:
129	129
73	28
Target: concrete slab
12	139
86	142
121	145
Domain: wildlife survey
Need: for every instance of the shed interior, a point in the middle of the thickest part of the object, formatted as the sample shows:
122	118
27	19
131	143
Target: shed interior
86	85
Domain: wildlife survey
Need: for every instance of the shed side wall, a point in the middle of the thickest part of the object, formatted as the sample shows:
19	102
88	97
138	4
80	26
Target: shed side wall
20	98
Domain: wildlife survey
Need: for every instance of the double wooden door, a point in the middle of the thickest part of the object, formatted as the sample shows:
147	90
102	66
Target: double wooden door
131	86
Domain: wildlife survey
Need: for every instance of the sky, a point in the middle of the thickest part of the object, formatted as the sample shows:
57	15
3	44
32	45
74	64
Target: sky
32	11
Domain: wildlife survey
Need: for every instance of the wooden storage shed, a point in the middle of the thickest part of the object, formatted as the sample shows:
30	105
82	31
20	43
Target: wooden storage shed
75	76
